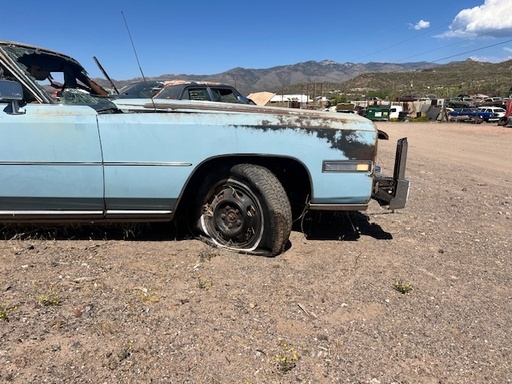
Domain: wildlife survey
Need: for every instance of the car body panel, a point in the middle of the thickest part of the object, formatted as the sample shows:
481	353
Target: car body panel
151	176
257	132
51	165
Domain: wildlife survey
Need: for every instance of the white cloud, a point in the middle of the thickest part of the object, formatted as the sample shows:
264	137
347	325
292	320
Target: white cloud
494	59
490	59
422	24
493	18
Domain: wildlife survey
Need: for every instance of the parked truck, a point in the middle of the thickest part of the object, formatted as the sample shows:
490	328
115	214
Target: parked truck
238	174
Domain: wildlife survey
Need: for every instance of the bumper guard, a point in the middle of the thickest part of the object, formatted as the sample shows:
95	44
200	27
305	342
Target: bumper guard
393	191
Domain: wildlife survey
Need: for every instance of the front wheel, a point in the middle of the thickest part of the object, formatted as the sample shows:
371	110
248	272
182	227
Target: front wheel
247	212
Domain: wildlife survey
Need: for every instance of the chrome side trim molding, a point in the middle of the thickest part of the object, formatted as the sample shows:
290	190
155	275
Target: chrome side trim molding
51	213
84	216
52	163
137	213
98	163
45	216
147	164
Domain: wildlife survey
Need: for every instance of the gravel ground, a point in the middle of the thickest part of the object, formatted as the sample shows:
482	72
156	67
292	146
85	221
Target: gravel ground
146	305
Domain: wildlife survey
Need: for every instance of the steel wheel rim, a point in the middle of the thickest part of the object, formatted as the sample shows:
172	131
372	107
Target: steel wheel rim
233	217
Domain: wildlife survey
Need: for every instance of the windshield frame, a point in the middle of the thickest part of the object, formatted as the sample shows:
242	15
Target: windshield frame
17	58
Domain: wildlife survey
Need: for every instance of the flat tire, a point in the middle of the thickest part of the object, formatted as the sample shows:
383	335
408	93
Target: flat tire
248	212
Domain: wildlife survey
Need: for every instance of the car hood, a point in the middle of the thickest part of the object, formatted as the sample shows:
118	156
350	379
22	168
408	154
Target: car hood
253	114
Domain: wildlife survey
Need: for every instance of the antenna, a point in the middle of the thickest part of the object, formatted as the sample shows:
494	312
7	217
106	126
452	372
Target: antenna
137	57
133	46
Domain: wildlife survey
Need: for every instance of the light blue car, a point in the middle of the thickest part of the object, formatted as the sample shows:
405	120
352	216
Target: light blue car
240	174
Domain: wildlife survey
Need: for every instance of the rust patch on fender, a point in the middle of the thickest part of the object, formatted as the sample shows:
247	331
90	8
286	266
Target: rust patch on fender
334	129
347	141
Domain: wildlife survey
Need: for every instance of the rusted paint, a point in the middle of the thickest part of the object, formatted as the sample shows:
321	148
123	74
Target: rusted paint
326	126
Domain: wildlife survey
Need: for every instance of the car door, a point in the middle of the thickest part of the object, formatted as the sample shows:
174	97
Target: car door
50	163
146	163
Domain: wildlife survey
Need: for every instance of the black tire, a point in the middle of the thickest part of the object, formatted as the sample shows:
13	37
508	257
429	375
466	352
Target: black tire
502	121
248	212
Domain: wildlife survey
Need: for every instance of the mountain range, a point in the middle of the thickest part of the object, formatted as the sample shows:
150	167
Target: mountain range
281	77
386	79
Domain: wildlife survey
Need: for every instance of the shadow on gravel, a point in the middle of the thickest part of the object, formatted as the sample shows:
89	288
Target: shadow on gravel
348	226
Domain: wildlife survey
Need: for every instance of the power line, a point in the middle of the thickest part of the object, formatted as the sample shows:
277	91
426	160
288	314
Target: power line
432	50
473	50
402	42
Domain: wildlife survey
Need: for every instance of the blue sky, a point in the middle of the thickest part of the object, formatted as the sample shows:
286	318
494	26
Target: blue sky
204	37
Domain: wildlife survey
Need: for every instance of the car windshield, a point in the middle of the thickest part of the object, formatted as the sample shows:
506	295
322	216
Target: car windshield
48	77
172	92
225	95
143	89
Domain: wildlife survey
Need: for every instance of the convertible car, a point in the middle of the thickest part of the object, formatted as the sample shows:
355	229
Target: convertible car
239	174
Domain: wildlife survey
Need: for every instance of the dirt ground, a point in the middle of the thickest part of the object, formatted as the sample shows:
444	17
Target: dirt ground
146	305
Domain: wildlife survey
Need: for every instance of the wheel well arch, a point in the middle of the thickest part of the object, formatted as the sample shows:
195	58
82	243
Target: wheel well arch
291	173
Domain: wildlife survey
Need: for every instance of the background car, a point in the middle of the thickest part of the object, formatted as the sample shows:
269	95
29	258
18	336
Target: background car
461	102
140	90
492	102
203	91
497	111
